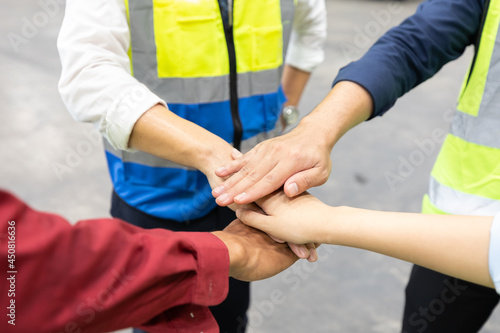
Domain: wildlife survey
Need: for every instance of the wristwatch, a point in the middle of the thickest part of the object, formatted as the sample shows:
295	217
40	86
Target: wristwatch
290	115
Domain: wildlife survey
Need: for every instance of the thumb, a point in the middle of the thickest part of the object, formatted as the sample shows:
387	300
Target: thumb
304	180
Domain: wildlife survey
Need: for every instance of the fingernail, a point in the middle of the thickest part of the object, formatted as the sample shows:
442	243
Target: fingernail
218	190
236	153
223	198
293	189
303	252
241	196
238	213
220	170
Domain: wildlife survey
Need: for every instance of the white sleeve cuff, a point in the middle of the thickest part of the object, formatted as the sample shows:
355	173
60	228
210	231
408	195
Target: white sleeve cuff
305	56
494	253
124	112
306	47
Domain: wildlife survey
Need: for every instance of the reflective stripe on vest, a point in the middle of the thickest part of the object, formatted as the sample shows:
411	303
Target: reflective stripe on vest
466	176
179	51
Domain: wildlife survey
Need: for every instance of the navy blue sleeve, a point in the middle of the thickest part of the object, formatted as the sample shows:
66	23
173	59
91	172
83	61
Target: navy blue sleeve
414	51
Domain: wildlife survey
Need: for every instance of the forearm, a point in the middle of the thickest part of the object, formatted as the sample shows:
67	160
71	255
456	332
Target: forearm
164	134
347	105
294	81
453	245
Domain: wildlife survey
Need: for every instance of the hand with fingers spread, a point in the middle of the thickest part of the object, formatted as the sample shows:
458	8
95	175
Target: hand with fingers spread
298	160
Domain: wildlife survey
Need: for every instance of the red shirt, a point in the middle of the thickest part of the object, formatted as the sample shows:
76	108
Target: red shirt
103	275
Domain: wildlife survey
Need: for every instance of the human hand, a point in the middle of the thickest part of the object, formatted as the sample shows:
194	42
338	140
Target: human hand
303	251
298	160
223	152
300	220
253	255
220	154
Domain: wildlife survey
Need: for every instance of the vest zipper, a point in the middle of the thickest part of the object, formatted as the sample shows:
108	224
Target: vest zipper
233	77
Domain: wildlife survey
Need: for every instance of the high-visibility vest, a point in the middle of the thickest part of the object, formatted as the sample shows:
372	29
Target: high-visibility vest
466	176
223	76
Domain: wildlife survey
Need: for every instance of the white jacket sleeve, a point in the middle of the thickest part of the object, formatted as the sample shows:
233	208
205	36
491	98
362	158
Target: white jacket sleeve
96	85
494	252
306	49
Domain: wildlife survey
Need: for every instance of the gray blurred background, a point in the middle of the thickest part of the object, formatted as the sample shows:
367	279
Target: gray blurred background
349	290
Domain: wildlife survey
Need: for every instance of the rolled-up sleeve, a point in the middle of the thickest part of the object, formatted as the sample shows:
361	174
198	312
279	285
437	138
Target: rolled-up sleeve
306	49
494	252
96	84
414	51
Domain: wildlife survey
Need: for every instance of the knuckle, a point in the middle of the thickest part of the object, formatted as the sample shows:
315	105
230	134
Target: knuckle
249	174
270	178
306	181
245	172
228	184
277	148
253	177
295	154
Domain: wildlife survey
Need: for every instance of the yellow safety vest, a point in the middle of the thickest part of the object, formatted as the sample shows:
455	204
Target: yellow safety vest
466	176
223	75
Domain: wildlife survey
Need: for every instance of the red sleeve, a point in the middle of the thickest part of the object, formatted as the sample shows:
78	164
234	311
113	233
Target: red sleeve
103	275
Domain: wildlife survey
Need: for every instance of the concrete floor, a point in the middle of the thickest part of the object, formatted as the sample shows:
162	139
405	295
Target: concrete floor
349	290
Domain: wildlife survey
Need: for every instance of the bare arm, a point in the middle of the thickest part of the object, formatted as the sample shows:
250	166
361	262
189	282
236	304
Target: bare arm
453	245
294	81
162	133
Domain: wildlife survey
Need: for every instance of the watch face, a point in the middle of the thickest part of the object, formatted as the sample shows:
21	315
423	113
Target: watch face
290	115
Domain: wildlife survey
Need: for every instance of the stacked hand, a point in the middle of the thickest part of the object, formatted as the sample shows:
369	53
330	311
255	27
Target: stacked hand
254	255
294	161
297	161
299	220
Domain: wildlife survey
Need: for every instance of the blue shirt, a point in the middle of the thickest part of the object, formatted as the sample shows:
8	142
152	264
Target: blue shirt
414	51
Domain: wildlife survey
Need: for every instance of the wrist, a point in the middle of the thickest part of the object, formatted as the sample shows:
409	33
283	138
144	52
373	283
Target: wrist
347	105
235	249
342	228
318	129
324	227
214	155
